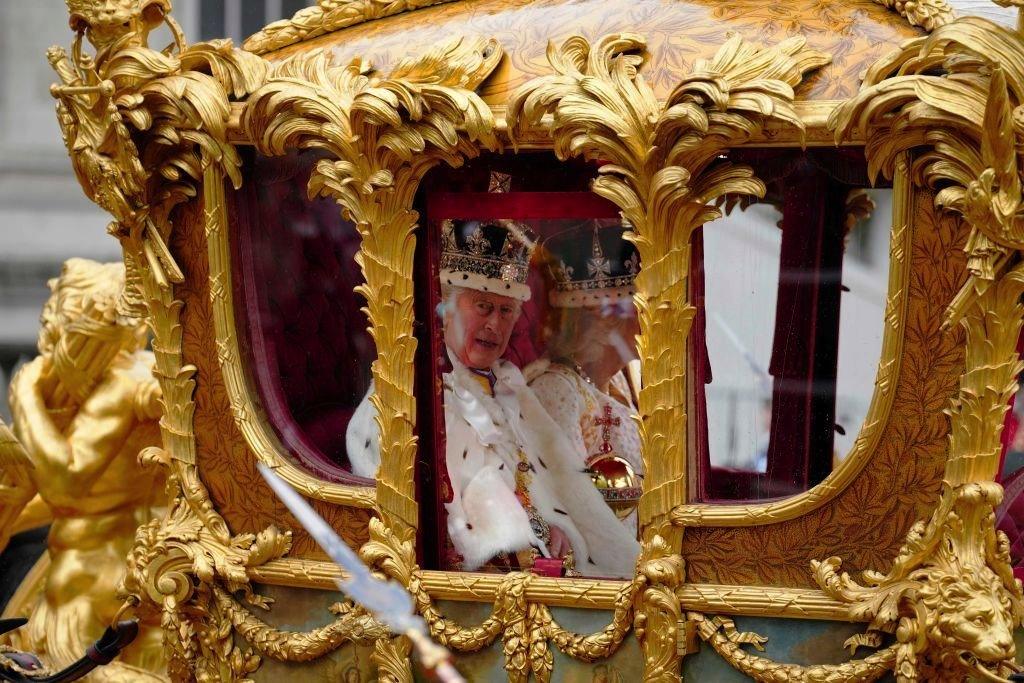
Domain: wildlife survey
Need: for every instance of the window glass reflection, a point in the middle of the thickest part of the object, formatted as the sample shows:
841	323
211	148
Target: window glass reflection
790	295
862	314
307	335
541	466
739	313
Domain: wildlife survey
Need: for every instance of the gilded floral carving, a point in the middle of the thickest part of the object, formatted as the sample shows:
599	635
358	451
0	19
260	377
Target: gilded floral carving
147	133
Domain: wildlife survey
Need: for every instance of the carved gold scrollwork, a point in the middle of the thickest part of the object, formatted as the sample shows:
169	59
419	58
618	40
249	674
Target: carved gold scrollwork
964	120
953	100
381	135
664	169
950	598
144	130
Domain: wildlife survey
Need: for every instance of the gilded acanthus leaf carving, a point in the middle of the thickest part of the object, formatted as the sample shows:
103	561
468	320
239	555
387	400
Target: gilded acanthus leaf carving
327	16
954	100
663	169
956	97
663	166
951	598
380	135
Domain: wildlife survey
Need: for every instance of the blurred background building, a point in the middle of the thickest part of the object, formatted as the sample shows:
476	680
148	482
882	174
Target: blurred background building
44	217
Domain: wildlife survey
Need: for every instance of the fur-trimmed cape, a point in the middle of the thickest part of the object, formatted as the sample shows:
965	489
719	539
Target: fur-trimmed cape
484	436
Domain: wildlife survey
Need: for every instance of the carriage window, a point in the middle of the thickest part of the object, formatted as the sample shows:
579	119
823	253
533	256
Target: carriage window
791	293
304	327
534	341
1010	513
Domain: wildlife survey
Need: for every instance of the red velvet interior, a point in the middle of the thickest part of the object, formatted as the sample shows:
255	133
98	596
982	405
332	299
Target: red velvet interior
307	337
548	196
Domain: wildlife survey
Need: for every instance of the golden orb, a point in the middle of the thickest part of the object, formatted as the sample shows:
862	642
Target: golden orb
618	483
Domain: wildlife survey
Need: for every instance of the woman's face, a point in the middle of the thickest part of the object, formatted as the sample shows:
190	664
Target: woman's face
478	326
622	325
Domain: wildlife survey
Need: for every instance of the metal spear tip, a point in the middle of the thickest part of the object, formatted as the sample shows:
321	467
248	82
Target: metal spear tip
387	601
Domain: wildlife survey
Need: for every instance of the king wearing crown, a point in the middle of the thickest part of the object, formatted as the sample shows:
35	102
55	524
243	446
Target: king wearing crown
512	491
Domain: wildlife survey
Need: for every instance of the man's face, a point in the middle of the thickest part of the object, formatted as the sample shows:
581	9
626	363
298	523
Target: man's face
478	325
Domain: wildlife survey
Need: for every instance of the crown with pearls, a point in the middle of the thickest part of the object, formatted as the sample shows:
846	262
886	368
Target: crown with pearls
488	256
592	264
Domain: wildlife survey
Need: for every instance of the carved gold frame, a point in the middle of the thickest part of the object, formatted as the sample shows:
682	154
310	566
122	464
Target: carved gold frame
245	405
306	573
382	134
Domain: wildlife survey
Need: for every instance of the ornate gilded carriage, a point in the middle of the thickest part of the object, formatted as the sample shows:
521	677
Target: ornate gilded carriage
670	113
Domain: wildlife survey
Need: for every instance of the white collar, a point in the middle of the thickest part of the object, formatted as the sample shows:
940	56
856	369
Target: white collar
506	374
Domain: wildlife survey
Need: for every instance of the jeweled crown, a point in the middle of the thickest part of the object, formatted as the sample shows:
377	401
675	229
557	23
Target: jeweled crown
490	256
590	263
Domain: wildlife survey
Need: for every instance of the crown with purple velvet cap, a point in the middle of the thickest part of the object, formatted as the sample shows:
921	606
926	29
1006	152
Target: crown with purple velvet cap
488	256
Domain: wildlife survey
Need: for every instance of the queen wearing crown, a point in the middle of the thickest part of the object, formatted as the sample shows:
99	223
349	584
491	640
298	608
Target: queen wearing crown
508	488
583	380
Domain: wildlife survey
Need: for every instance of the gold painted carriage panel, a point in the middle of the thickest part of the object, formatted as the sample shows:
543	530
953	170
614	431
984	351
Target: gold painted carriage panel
159	140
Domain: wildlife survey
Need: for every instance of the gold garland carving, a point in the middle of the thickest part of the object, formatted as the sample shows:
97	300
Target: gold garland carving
721	634
764	601
526	626
352	625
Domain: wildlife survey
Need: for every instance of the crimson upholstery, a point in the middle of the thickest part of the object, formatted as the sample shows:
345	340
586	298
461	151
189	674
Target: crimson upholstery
310	348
